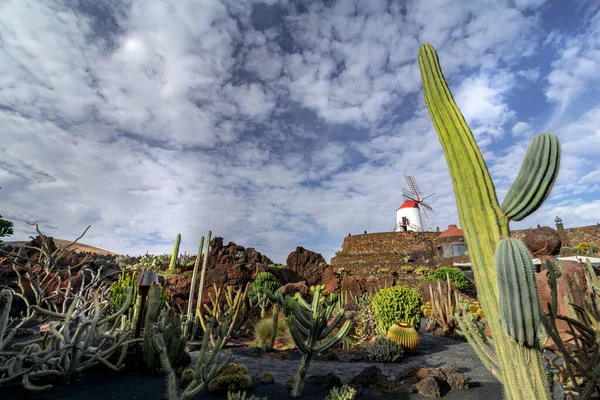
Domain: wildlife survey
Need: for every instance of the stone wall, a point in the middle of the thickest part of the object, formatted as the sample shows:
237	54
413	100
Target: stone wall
403	243
571	236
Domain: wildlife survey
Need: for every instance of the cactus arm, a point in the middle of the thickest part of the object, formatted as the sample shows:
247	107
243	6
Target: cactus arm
484	224
335	339
535	179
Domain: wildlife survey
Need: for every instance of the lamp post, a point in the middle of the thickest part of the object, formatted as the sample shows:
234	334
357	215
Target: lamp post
143	282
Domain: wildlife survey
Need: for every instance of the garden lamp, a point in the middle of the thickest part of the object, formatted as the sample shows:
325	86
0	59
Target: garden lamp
143	282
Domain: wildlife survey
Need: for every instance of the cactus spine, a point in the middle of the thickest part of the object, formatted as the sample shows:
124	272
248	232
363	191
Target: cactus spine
520	369
175	254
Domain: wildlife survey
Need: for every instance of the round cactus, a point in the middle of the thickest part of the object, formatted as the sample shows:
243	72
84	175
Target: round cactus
427	312
267	377
187	376
404	334
481	313
473	307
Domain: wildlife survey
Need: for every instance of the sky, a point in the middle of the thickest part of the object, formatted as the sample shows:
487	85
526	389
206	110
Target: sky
278	124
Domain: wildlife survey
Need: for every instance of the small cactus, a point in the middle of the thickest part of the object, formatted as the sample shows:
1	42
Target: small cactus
187	376
267	377
404	334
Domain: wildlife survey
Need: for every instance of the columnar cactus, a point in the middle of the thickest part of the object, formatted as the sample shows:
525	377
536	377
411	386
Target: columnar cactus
191	323
485	223
175	254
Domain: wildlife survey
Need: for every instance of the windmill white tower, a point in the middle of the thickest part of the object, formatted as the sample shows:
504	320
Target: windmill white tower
408	216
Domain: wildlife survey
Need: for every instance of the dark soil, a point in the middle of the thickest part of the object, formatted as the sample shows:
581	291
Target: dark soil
154	387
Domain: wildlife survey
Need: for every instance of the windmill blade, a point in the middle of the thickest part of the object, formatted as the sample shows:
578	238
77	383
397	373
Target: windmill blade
412	183
428	221
426	197
408	195
427	206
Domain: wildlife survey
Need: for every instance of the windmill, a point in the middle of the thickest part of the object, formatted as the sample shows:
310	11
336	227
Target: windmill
408	216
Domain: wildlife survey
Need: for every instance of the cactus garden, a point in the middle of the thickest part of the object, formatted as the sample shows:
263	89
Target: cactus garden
480	311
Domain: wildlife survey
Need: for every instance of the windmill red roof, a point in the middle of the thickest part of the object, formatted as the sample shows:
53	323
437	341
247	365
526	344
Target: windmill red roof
409	204
452	230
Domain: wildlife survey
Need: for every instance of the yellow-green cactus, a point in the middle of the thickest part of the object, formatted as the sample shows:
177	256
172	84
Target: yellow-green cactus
484	222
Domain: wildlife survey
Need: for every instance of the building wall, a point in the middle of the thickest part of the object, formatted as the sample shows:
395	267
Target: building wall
403	243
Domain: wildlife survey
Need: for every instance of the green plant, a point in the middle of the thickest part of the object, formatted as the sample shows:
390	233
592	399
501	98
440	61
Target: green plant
384	350
6	227
263	281
346	392
309	325
363	319
444	306
207	364
242	396
404	334
119	289
166	323
581	352
266	330
423	271
485	222
233	378
187	376
241	255
267	378
191	321
173	263
340	253
457	277
408	268
394	304
227	307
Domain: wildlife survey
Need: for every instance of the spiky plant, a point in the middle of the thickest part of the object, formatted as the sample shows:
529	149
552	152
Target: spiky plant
485	222
173	263
311	326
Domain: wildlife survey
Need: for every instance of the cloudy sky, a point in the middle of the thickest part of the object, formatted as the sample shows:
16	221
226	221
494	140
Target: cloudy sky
279	124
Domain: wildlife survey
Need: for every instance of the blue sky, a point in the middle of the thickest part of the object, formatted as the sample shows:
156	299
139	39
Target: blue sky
279	124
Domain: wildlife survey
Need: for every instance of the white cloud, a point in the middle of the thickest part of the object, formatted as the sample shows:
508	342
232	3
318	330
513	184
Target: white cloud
182	117
576	68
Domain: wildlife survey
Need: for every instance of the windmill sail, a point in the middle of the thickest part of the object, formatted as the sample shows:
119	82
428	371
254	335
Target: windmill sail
414	194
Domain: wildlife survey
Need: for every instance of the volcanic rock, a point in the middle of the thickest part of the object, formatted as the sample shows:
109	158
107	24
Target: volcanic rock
543	241
308	264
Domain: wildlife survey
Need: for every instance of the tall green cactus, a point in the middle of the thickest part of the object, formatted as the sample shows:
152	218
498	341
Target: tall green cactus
485	223
309	326
175	254
191	322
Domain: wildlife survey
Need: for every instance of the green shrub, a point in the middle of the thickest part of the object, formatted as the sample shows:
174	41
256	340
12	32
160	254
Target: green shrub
457	277
118	290
264	280
396	304
423	271
384	350
345	392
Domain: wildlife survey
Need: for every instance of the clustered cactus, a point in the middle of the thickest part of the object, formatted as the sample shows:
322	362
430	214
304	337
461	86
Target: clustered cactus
384	350
310	325
500	271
